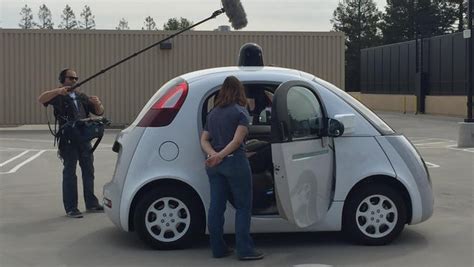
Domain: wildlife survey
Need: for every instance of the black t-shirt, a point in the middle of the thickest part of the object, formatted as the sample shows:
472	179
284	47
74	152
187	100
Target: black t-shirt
73	107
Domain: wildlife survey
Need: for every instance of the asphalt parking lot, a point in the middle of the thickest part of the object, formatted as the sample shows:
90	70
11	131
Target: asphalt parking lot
35	232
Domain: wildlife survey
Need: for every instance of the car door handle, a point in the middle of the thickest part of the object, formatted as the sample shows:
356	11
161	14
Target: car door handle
309	154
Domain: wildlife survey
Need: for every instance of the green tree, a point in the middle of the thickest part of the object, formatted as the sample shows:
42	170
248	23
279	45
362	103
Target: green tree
359	20
45	18
398	22
26	21
435	17
123	25
461	13
149	24
173	24
404	19
68	19
88	20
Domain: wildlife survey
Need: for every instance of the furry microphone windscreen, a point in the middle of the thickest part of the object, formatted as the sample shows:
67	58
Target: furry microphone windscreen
235	11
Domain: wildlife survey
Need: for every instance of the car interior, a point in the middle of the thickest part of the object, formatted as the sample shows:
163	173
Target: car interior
257	145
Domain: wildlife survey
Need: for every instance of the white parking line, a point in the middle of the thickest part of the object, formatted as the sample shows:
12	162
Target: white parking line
422	140
431	165
17	167
26	140
42	141
432	143
454	147
12	159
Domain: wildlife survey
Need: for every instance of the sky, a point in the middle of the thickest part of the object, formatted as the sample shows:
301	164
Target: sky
262	15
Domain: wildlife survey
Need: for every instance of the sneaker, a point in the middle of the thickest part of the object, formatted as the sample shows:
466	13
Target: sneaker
228	252
74	214
254	256
97	208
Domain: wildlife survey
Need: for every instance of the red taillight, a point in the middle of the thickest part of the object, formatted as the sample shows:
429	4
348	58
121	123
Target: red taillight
165	109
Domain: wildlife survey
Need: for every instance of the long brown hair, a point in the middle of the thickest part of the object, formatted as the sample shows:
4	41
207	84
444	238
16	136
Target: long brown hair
232	92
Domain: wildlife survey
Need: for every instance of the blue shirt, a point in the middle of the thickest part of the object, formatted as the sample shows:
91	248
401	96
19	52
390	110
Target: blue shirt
222	122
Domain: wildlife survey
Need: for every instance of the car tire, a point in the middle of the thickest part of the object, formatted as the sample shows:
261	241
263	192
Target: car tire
374	215
169	219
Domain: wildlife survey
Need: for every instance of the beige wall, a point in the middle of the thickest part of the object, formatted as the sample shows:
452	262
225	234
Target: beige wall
446	105
31	60
438	105
397	103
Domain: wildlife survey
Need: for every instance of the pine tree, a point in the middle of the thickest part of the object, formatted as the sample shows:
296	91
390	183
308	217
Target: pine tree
461	13
358	19
184	23
150	24
173	24
26	21
69	19
123	25
445	14
45	18
398	22
88	21
403	20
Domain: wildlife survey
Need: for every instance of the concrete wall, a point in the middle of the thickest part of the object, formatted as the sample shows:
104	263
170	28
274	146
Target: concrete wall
31	60
446	105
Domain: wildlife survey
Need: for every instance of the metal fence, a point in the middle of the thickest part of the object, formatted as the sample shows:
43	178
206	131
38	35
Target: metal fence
30	61
392	69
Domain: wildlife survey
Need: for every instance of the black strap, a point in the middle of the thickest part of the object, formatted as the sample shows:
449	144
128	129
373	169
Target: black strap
49	124
55	132
96	144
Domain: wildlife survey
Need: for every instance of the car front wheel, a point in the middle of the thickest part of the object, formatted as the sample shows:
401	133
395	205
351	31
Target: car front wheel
374	215
168	219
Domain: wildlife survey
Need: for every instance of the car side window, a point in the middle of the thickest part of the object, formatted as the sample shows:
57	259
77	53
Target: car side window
259	103
263	105
305	113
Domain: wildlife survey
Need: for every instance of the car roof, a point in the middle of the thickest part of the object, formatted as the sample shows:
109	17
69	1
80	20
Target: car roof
241	71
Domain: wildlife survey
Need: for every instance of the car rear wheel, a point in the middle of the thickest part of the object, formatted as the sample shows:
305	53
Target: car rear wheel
169	219
374	215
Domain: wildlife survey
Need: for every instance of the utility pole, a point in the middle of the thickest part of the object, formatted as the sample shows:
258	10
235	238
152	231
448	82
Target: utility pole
420	77
466	128
469	62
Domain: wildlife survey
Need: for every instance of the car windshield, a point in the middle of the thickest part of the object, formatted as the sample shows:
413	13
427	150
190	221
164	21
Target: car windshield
375	120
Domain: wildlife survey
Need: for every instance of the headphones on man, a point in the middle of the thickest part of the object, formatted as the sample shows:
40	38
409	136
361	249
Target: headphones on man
62	76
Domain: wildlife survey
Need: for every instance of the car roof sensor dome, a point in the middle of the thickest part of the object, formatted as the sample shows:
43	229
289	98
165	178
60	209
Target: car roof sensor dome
250	54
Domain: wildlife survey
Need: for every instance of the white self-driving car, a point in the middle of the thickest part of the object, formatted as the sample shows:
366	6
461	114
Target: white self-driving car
321	161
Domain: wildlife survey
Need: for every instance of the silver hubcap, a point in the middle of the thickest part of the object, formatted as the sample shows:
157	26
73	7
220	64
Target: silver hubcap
376	216
167	219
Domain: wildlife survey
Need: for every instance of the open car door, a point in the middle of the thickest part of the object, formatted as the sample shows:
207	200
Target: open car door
302	157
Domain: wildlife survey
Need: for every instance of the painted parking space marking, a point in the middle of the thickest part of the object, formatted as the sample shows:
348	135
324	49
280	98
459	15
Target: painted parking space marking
432	142
431	165
23	163
454	147
14	158
26	140
438	143
41	141
414	140
23	152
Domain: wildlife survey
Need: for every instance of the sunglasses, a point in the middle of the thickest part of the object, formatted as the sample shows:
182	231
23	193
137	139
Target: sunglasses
72	78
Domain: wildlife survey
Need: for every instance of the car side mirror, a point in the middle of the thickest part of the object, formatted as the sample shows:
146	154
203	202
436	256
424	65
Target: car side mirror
334	128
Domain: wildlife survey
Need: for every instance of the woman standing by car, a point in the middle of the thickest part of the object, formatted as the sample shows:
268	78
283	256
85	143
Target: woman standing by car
229	170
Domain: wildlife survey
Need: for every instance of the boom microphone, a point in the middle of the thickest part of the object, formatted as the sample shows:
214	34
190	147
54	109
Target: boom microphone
235	11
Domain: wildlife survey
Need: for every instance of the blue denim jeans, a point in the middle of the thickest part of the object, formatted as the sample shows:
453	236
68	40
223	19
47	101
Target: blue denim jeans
71	154
232	177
